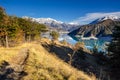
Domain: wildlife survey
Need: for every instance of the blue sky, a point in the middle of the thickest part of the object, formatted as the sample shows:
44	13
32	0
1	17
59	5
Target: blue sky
63	10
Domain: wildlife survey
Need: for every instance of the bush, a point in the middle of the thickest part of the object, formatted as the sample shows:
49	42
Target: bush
54	35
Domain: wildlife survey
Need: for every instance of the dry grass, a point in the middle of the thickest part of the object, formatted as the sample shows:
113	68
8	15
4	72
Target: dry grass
42	65
7	53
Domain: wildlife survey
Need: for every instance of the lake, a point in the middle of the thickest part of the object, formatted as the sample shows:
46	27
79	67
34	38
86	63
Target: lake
89	44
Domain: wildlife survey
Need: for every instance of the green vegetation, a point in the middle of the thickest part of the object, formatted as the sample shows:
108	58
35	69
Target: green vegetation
54	35
14	30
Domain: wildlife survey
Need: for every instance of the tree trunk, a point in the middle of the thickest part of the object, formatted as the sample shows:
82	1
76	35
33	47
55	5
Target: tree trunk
24	37
29	38
6	41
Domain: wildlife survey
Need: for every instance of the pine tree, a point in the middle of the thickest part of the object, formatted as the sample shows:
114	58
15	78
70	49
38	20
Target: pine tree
14	29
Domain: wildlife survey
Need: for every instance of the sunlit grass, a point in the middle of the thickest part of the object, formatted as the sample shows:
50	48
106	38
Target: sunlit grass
42	65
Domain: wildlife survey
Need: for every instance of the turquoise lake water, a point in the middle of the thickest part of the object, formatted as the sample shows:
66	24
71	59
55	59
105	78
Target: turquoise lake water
100	43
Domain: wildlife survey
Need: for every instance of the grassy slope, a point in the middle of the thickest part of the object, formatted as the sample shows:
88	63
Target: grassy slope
41	65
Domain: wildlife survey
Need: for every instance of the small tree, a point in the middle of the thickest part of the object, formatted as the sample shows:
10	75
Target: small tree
77	48
55	35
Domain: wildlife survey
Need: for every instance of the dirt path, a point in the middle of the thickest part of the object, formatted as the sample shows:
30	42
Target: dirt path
15	69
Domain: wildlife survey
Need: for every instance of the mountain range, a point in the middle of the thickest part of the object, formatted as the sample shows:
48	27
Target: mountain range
52	23
111	17
102	27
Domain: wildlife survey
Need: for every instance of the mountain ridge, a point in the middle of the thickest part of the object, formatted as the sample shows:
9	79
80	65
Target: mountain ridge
53	23
111	17
100	29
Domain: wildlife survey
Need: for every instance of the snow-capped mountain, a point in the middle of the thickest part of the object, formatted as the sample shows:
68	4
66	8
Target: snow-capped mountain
53	23
44	20
101	28
111	17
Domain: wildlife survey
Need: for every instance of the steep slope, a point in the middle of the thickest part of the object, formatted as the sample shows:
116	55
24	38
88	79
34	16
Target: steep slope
31	61
81	59
101	29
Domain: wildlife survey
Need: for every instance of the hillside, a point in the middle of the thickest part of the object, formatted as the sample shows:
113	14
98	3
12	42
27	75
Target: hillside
31	61
100	29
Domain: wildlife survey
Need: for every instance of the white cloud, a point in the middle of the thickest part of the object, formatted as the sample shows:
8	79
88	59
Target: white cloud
92	16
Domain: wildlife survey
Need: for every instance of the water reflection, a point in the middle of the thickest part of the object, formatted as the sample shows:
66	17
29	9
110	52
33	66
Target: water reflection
100	43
